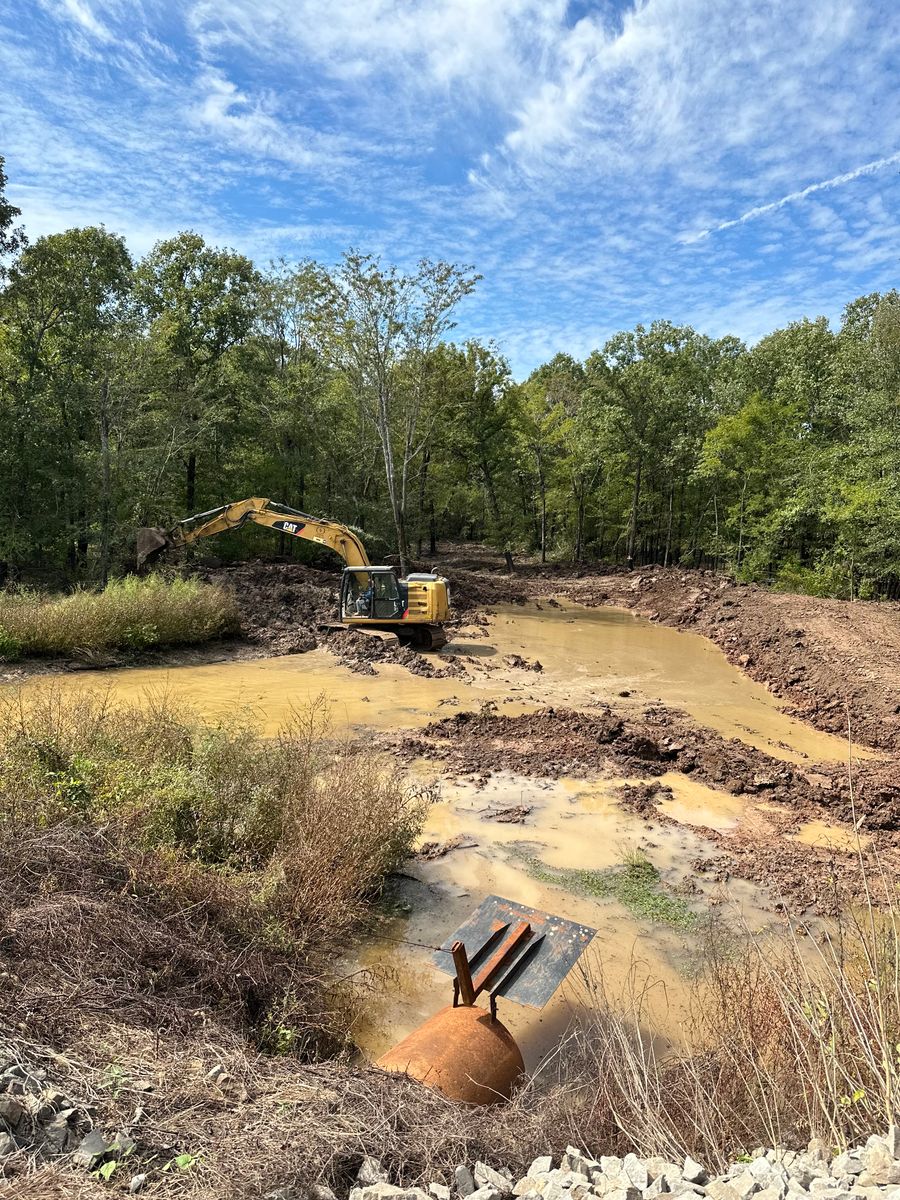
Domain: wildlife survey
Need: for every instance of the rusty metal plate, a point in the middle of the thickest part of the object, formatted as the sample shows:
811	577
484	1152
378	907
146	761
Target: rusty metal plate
534	969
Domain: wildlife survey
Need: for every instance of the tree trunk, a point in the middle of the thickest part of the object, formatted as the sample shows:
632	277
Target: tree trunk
432	528
104	481
423	481
632	527
191	488
543	485
740	549
669	528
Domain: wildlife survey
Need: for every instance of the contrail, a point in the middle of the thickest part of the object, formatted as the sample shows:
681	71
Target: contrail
751	214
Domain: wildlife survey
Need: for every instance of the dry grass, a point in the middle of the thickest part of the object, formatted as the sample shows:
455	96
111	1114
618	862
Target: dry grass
129	614
787	1037
178	896
280	843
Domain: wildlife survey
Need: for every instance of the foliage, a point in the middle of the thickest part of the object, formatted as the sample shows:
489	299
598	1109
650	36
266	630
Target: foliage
309	824
129	614
139	394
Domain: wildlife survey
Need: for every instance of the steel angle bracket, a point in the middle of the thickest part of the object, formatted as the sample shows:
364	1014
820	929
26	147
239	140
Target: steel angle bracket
513	951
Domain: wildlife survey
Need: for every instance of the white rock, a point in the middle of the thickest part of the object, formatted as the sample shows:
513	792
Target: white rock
848	1163
610	1165
659	1187
635	1172
760	1168
465	1181
541	1165
745	1185
487	1193
370	1171
623	1193
693	1172
487	1177
439	1190
774	1191
721	1189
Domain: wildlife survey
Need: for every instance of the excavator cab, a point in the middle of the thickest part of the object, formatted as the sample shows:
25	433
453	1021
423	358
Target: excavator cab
371	594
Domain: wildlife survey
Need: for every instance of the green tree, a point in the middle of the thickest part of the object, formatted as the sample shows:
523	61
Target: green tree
381	327
63	311
199	303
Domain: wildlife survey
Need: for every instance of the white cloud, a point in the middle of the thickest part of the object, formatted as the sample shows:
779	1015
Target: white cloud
563	156
761	210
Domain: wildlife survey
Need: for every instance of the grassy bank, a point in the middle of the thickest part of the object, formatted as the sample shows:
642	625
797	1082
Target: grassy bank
129	614
270	848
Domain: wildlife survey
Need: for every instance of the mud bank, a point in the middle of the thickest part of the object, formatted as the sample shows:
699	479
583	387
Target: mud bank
771	848
827	658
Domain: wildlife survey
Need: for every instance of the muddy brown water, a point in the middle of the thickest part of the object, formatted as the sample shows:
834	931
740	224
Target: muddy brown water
589	657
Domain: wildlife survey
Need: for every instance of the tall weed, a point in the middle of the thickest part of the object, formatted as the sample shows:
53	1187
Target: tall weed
129	614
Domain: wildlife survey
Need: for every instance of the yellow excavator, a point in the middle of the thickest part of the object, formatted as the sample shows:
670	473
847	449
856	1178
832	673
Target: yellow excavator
371	598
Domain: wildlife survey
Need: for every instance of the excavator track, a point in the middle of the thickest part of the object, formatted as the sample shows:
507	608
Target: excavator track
423	637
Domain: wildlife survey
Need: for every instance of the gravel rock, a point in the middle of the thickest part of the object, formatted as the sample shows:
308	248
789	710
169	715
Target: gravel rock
440	1191
91	1149
693	1172
541	1166
7	1145
137	1184
487	1177
370	1171
465	1181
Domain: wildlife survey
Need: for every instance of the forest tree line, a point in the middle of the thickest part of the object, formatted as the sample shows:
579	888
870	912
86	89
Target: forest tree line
140	392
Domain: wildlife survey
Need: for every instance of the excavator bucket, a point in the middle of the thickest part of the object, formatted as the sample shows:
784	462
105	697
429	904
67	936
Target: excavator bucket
151	542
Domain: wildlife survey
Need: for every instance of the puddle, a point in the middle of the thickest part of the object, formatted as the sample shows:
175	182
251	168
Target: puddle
589	657
275	688
572	824
831	837
595	653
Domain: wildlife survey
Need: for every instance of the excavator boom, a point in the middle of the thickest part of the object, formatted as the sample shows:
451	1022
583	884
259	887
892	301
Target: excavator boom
371	597
260	511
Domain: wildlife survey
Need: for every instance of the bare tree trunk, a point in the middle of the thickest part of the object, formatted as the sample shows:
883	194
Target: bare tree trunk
632	526
741	526
104	481
669	528
423	481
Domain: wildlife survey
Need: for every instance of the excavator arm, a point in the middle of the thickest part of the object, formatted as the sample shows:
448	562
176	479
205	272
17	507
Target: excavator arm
260	511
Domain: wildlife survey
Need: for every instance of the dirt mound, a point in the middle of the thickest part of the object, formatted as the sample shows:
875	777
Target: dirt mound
287	608
556	742
282	605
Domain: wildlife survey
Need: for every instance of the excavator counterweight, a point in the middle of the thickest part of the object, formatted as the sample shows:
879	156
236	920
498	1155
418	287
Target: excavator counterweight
371	597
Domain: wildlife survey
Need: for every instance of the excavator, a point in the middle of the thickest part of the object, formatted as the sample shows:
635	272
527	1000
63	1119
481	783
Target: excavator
371	598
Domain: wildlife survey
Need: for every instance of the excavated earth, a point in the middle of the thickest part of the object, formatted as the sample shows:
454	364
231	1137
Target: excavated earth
831	661
556	743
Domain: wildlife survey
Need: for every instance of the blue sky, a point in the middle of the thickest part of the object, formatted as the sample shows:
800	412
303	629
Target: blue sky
731	164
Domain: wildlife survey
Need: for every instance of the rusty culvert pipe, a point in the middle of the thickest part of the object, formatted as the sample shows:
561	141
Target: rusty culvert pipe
464	1053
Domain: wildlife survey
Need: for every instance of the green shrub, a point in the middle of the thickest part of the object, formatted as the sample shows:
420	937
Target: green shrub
310	824
129	614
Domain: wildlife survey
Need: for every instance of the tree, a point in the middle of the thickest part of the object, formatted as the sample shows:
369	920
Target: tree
381	327
199	302
12	238
64	309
